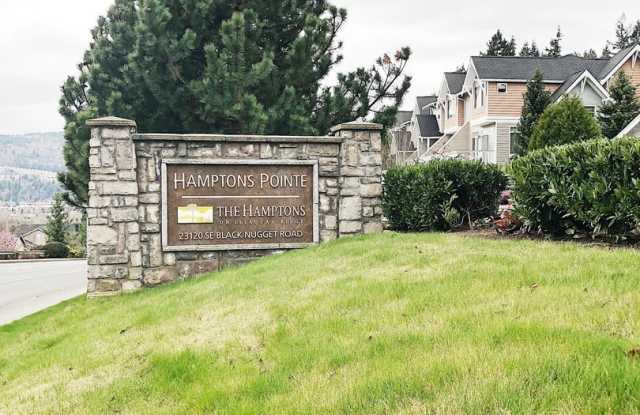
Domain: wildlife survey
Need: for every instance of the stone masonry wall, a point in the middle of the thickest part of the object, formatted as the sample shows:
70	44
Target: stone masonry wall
124	215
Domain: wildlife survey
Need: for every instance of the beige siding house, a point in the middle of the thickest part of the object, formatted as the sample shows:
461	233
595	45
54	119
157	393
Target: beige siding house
476	113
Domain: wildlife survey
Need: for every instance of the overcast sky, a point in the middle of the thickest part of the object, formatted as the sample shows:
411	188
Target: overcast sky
41	41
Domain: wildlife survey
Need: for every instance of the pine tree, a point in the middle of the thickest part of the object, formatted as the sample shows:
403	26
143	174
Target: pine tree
623	37
621	109
510	48
590	54
554	49
57	221
536	100
534	50
250	66
495	45
498	45
606	52
634	38
531	51
566	122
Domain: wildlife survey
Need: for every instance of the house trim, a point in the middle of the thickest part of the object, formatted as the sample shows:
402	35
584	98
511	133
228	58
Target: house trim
546	81
632	53
586	76
629	127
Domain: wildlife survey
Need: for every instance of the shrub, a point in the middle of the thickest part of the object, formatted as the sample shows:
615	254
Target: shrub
584	189
441	194
566	122
56	250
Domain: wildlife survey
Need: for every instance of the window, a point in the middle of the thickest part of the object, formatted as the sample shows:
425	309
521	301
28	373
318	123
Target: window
516	146
482	96
476	96
502	88
591	109
449	107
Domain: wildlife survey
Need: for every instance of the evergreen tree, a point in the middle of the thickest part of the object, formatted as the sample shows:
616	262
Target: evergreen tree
635	33
461	68
566	122
531	51
534	50
621	109
510	48
498	45
555	48
623	37
250	66
606	52
536	100
590	54
57	221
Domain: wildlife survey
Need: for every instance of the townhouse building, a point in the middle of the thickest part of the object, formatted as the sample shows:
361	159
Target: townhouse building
475	113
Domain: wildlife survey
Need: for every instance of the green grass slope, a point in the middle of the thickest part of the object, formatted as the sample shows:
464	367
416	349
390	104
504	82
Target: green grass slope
405	324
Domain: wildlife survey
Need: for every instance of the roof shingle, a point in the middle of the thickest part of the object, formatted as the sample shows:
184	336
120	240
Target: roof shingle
455	80
428	125
523	68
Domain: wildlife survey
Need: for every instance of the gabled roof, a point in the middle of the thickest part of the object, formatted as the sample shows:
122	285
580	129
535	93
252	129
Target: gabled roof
428	125
425	100
565	87
575	80
38	229
518	68
26	229
455	81
402	117
617	60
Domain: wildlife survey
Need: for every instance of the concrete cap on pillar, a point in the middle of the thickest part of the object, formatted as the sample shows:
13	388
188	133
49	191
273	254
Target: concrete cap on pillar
111	122
356	126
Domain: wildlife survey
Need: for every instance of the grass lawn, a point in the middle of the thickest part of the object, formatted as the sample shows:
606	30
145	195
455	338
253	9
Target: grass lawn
394	323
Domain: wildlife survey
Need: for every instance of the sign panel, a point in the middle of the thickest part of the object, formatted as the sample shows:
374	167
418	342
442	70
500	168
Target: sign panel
239	204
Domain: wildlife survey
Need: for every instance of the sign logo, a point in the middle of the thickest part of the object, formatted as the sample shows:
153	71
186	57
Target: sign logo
195	214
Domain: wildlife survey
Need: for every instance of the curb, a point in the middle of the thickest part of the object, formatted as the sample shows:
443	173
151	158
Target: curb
24	261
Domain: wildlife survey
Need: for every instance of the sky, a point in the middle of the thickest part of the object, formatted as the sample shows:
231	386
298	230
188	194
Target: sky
42	41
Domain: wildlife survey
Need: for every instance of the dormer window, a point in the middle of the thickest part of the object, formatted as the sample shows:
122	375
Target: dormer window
502	88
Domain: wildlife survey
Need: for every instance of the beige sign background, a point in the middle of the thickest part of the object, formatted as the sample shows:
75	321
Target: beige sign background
239	204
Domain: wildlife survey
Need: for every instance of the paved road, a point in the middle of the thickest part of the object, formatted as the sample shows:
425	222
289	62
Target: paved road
27	287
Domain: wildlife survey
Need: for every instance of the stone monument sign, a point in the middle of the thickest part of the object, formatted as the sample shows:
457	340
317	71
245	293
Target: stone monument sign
169	206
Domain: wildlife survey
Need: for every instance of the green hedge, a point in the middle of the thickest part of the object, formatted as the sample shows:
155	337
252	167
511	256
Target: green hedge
585	189
441	194
56	250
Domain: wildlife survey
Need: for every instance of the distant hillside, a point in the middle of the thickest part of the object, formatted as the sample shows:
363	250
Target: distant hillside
28	167
42	151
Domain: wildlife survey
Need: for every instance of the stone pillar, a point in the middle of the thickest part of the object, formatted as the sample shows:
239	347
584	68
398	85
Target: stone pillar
360	183
113	234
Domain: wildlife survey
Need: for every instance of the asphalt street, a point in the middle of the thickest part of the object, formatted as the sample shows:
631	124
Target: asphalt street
27	287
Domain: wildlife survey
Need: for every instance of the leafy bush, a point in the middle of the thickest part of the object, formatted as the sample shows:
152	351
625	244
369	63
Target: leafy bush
566	122
585	189
441	194
56	250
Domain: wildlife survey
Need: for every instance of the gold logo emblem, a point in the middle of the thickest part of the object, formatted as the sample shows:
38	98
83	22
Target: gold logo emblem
195	214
